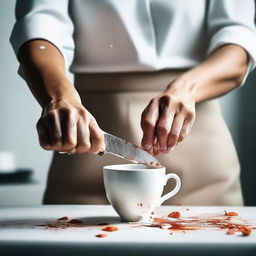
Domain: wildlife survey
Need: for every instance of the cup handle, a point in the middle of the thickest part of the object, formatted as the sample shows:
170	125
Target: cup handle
174	191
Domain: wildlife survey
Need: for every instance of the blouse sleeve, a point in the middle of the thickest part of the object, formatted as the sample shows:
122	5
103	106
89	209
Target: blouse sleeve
232	22
44	19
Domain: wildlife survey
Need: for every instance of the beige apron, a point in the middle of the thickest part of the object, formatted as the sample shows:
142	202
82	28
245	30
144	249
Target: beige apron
206	160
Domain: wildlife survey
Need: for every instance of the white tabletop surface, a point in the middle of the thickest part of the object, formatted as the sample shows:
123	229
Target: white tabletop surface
23	232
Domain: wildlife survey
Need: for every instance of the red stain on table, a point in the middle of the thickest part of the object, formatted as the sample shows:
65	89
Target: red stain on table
246	231
230	222
230	232
175	215
110	228
101	235
230	213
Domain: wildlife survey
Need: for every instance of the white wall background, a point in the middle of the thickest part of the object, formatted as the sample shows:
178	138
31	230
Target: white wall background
19	113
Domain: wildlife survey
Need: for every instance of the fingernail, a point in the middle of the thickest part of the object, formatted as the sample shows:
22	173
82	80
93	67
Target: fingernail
188	130
147	146
171	148
163	149
156	152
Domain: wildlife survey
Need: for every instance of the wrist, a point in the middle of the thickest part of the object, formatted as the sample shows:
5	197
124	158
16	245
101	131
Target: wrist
183	86
62	89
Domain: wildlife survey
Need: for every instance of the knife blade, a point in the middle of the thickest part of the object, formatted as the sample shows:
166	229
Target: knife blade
121	148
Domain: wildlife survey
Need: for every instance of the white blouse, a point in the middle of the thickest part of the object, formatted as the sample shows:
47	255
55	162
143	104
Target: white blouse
136	35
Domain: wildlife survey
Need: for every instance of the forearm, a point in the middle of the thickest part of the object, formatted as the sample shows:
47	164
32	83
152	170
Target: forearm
220	73
44	71
65	125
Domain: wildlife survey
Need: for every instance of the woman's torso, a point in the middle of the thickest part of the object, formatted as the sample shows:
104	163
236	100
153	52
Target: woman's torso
138	35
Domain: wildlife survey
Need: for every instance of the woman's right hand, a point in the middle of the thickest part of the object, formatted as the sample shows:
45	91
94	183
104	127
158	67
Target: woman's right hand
66	126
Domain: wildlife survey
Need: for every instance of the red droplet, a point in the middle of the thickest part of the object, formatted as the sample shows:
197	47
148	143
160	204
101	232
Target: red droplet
110	229
101	235
230	232
246	231
174	215
230	213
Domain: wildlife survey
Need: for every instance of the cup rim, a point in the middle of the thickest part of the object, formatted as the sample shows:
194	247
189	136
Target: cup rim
131	167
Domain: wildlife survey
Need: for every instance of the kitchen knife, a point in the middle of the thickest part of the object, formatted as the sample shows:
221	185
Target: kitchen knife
121	148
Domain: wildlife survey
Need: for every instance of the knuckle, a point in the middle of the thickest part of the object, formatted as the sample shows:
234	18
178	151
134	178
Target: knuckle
162	129
92	123
81	110
190	115
148	124
181	137
69	144
174	136
187	111
83	113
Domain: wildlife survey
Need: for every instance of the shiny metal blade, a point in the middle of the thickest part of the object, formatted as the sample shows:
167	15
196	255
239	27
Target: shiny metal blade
124	149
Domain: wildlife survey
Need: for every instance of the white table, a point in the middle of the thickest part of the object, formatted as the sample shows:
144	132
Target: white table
20	233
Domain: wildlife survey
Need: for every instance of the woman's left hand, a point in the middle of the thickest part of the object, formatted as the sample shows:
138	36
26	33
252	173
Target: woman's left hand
168	118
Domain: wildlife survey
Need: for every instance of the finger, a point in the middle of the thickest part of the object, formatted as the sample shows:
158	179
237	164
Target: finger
163	128
175	131
43	135
69	131
97	138
156	148
83	137
54	128
148	122
184	131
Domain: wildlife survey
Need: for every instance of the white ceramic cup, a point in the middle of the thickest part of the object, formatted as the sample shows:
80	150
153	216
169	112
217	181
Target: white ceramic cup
135	190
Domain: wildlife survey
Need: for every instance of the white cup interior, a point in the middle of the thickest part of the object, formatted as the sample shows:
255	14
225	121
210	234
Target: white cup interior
130	167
